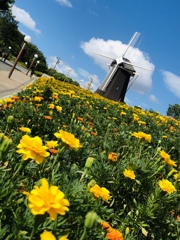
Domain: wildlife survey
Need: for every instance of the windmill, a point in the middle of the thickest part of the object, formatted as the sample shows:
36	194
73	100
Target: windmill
115	84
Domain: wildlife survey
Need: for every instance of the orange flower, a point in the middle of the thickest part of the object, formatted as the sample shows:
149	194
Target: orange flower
93	133
53	151
114	234
48	117
113	156
5	105
105	225
80	119
171	128
15	97
91	124
178	218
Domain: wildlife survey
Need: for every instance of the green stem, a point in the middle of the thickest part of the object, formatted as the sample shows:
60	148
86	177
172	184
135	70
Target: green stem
19	168
6	128
32	233
1	156
84	234
55	224
82	176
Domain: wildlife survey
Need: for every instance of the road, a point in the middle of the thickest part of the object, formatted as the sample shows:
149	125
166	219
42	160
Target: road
12	85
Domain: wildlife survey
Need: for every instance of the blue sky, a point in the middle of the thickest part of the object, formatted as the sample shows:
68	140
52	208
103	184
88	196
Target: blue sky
74	29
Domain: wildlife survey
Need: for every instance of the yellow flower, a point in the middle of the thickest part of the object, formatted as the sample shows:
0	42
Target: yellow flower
51	106
164	155
25	129
170	162
8	100
52	144
47	199
37	99
32	148
177	177
135	117
100	192
142	135
141	122
47	236
68	139
113	156
59	109
63	237
129	173
167	186
123	113
167	159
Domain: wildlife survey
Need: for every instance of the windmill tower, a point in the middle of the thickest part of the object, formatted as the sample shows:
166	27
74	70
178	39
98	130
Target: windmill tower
115	84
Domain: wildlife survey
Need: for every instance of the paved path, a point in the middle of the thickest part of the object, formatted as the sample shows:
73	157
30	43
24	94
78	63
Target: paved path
12	85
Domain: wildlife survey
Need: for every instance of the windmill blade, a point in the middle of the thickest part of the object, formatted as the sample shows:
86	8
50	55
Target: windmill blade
132	42
136	66
104	56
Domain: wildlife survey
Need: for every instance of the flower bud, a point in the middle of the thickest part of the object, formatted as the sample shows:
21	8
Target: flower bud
5	145
91	183
127	231
160	168
10	119
90	219
89	162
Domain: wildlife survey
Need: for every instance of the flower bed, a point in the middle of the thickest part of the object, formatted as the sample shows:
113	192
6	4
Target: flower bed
75	165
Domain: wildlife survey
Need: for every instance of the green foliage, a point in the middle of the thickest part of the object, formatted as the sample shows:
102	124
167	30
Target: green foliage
12	37
5	4
38	74
61	76
137	207
174	111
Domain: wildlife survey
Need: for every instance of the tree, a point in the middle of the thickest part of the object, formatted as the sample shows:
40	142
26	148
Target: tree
13	37
5	4
174	111
28	54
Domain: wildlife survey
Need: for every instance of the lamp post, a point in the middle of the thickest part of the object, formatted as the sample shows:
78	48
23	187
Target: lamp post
27	39
37	63
58	61
35	56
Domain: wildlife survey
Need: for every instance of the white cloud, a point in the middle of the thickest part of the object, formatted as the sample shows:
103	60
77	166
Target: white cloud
153	98
115	49
24	18
81	76
88	77
64	3
172	82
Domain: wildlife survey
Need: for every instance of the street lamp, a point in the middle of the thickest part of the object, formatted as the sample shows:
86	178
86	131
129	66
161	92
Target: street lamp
37	63
27	39
35	56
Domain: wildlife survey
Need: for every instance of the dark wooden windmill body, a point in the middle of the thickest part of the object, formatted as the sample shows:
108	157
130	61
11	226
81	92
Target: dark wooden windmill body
115	84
